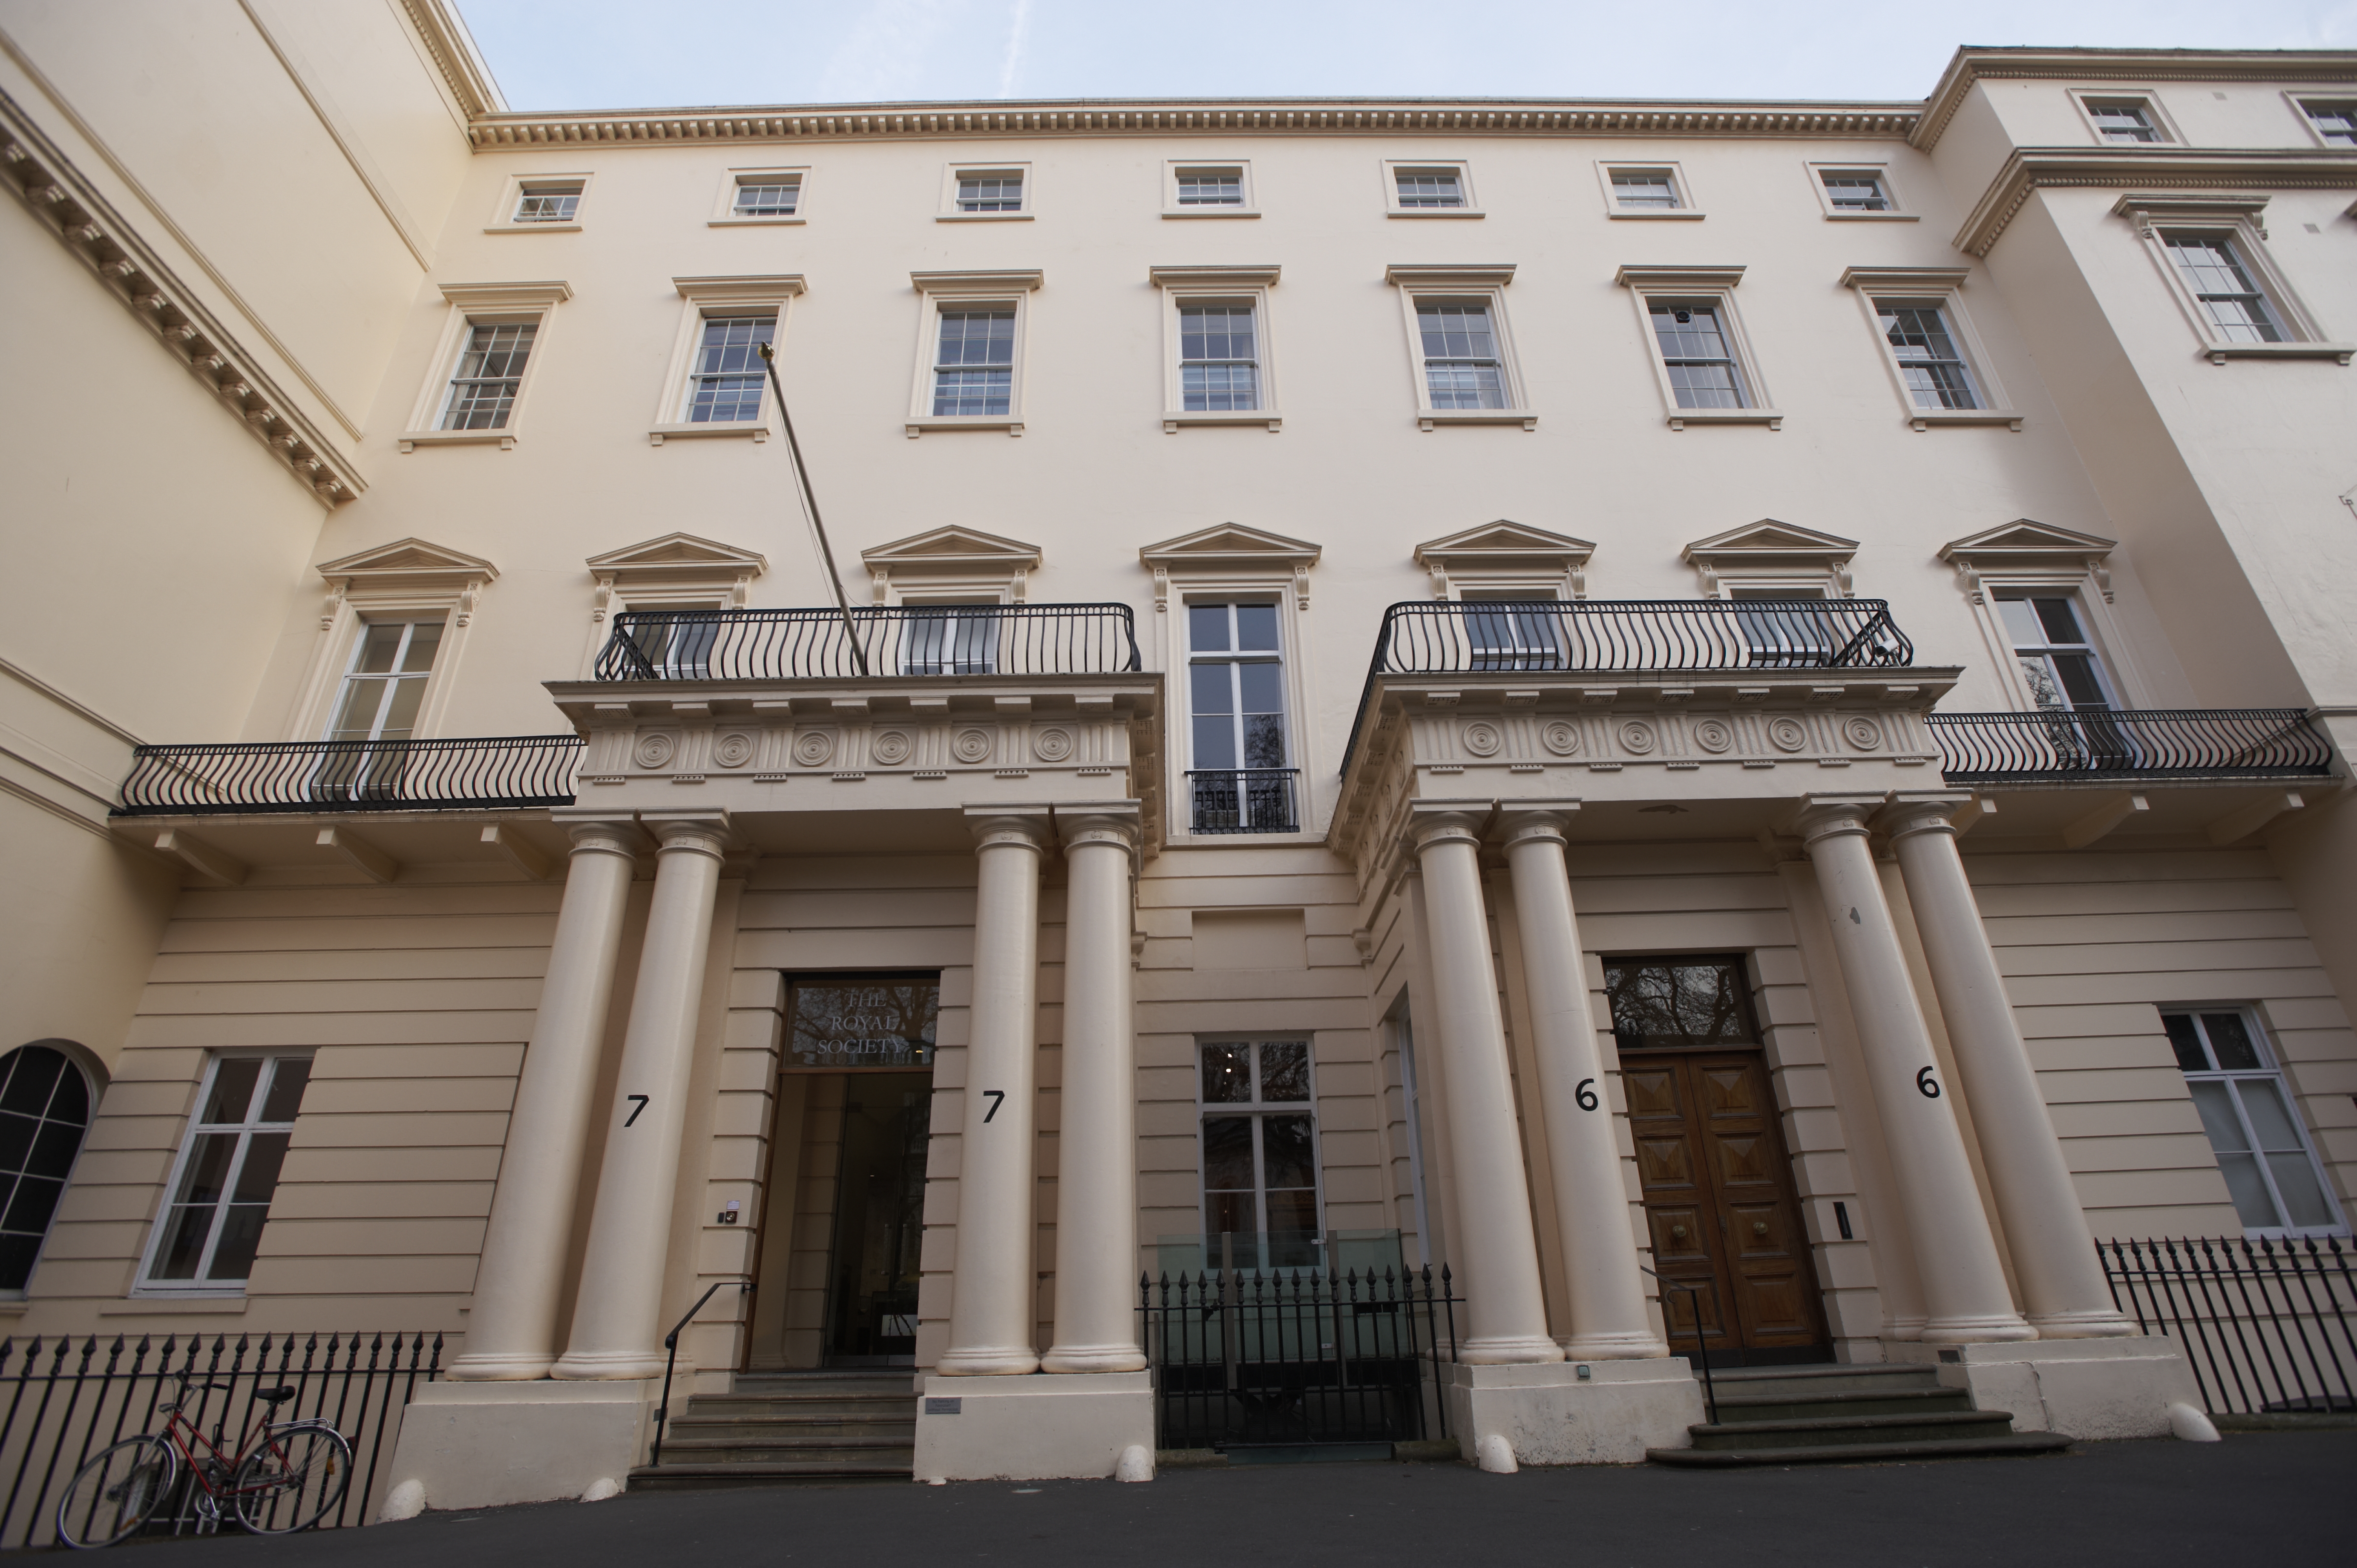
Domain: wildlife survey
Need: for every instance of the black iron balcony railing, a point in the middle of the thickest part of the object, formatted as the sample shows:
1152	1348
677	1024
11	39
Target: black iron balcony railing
351	776
907	640
1243	800
1486	636
2133	743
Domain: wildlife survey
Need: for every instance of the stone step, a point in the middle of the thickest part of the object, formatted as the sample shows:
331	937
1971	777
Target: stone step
727	1407
771	1428
2017	1444
701	1477
873	1452
1929	1426
1811	1405
1810	1381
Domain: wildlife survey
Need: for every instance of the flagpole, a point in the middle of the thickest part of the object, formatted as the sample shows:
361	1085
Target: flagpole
810	508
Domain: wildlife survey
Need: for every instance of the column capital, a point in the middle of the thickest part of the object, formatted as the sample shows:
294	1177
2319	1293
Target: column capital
602	835
1031	827
1115	823
691	833
1834	816
1527	819
1922	812
1440	821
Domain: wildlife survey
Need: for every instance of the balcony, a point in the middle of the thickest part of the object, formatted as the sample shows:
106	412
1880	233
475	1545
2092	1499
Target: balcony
913	641
1243	800
2060	746
335	775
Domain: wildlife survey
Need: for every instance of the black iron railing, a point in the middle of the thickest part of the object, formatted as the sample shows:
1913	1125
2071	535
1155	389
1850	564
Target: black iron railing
909	640
2130	743
2266	1324
1492	636
351	776
66	1398
1243	800
1246	1358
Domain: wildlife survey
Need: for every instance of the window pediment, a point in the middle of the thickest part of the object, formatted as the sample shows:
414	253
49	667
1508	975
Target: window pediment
1505	553
951	557
1772	550
676	564
408	570
1233	551
2026	545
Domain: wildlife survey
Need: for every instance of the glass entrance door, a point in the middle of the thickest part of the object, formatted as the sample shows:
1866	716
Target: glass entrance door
879	1221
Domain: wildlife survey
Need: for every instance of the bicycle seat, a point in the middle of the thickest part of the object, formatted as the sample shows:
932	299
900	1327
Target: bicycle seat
273	1396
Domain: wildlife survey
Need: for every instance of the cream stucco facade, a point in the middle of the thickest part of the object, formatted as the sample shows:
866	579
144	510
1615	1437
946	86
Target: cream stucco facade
548	1012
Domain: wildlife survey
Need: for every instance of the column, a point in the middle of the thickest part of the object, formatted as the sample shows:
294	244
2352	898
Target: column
1964	1292
1607	1294
1505	1308
616	1326
991	1299
511	1328
2053	1254
1096	1182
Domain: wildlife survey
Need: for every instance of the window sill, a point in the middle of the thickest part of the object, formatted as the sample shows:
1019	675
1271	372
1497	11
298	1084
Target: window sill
982	218
1268	416
1212	212
2218	353
1426	418
1666	212
534	228
230	1303
1924	418
1011	424
412	439
752	222
1435	213
658	435
1679	418
1874	217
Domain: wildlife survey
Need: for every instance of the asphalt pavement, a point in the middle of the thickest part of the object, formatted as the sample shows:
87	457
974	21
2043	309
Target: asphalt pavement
2281	1500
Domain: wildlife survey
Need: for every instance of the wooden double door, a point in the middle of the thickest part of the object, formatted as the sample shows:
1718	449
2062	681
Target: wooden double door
1720	1205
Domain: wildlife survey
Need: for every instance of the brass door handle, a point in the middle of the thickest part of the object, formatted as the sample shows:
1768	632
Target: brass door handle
1677	1232
1759	1227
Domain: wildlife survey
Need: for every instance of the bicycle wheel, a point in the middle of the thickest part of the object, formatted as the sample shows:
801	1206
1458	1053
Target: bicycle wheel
292	1479
112	1495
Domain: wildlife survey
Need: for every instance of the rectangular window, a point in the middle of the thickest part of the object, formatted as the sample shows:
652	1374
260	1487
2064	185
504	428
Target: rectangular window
1218	359
1782	630
227	1171
2253	1126
490	372
1236	704
1210	186
1461	367
1854	190
1260	1152
1678	1002
994	191
2336	124
1511	631
2056	656
951	639
767	196
1703	369
2129	121
974	365
387	681
1930	361
1429	187
2236	309
725	383
550	201
1644	189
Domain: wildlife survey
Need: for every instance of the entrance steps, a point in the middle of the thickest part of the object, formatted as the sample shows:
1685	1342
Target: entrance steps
1802	1415
857	1425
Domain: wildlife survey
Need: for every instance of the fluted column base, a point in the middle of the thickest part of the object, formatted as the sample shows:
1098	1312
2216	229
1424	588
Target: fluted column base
1013	1362
1510	1350
1093	1358
1613	1347
605	1366
494	1368
1986	1329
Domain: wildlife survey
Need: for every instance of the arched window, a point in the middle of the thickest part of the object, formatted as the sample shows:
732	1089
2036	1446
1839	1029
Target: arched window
44	1111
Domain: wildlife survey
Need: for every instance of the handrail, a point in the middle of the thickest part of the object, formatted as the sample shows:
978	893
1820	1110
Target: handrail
2130	743
1702	1345
1574	636
461	774
670	1355
919	640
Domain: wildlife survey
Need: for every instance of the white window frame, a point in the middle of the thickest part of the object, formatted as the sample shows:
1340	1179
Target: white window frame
2294	1107
1942	287
1250	207
2084	97
1418	284
1712	288
984	168
2100	661
517	186
359	591
1183	286
937	292
1606	167
482	305
2300	103
724	203
1463	170
2095	612
1257	1109
1897	212
2158	214
700	299
159	1226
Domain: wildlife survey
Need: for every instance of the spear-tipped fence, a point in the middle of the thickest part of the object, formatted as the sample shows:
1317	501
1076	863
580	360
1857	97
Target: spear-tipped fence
2266	1324
63	1399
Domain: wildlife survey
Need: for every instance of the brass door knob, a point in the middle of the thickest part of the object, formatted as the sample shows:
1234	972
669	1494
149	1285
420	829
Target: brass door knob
1759	1227
1677	1232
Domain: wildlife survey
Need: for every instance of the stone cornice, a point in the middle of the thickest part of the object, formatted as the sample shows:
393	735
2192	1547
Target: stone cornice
66	203
2147	168
496	132
2318	67
452	47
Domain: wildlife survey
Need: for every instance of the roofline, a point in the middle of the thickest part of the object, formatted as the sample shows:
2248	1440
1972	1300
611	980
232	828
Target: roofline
461	63
1973	62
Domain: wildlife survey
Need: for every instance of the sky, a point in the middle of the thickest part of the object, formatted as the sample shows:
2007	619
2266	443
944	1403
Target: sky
617	54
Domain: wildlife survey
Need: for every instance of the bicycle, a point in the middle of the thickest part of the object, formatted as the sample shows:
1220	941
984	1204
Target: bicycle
284	1476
